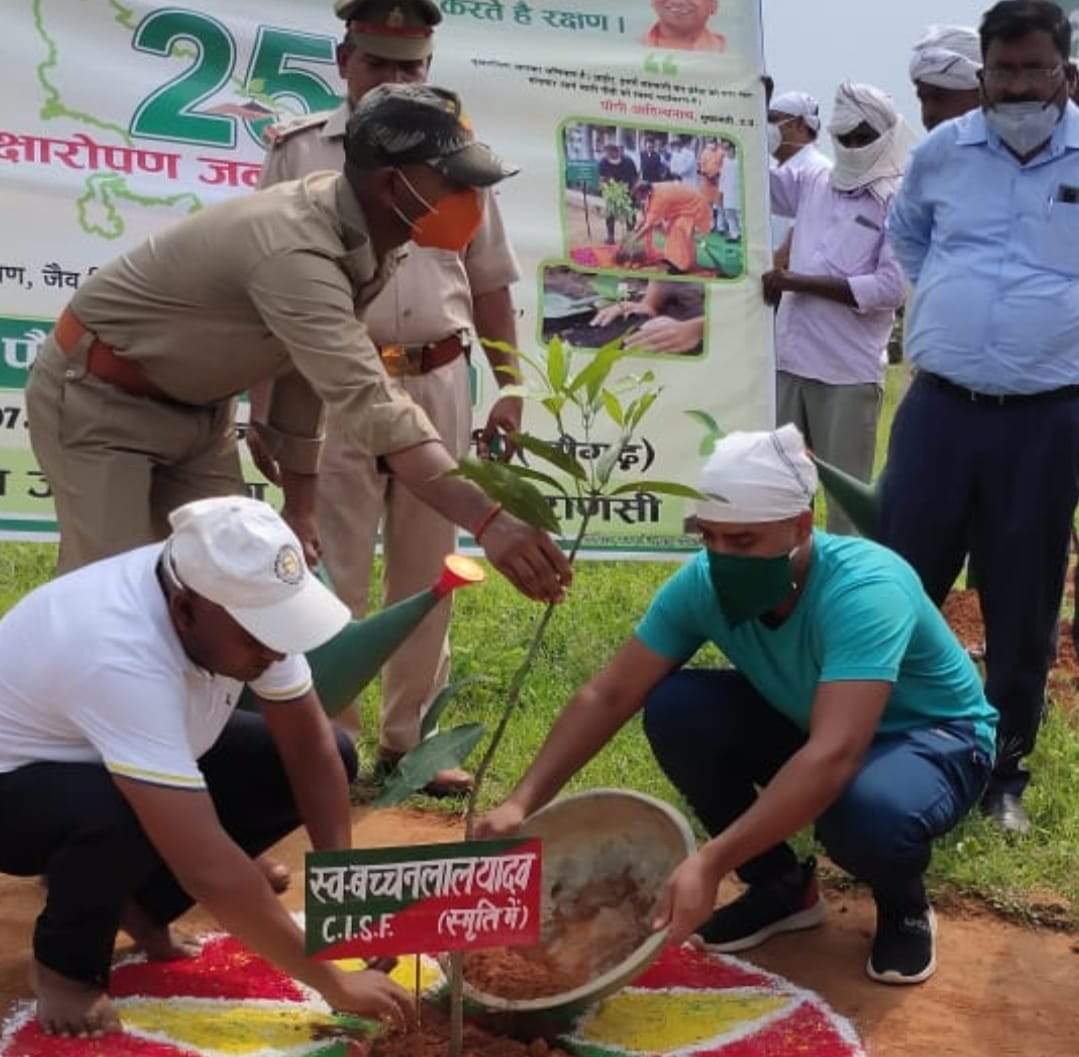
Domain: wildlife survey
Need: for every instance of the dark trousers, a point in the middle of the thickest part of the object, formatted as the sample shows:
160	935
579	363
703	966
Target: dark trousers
1001	480
70	822
719	741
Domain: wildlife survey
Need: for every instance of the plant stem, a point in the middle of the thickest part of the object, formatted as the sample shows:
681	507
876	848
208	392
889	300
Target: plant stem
457	959
514	694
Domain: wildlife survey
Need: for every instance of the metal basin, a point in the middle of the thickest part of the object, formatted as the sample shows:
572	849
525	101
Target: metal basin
602	833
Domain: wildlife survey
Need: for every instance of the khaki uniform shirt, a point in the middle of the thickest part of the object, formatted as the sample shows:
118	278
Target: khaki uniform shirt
430	295
267	286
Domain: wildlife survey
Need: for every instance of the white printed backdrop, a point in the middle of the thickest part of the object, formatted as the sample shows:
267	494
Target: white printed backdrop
117	119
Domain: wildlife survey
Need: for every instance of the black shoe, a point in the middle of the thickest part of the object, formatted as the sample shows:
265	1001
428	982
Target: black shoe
904	948
762	911
1007	811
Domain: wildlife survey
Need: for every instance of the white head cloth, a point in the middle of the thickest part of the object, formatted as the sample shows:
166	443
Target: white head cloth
948	57
879	166
798	104
753	477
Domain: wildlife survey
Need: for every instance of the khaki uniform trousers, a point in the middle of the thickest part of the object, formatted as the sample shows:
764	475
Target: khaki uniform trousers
839	423
118	464
353	497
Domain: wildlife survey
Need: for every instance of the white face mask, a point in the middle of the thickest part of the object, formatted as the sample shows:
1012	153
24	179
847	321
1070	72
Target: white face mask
775	134
854	166
1024	127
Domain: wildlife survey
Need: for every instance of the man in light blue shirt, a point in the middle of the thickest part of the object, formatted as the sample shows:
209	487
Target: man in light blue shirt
850	704
985	449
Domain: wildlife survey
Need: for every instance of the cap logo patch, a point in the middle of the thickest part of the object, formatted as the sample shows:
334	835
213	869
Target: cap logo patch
289	567
396	18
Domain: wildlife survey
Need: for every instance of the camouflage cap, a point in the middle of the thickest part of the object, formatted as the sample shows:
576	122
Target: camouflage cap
401	124
391	29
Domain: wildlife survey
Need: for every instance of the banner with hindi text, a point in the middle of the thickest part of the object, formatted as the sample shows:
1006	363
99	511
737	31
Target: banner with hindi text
119	118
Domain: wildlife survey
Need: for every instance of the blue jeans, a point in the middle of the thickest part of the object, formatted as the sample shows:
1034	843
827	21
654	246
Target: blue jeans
718	741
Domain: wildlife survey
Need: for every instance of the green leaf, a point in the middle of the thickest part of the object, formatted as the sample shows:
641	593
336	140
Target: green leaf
550	453
683	491
642	408
517	354
554	404
608	461
509	371
540	478
449	749
707	421
517	495
614	408
594	375
445	696
556	364
711	428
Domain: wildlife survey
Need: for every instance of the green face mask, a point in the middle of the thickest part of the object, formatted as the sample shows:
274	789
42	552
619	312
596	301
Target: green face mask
749	587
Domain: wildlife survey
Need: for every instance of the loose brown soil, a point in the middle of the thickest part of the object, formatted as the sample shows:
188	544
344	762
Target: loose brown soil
432	1040
964	614
1000	988
592	932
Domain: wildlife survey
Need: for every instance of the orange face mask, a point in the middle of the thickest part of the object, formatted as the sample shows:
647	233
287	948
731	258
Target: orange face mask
452	224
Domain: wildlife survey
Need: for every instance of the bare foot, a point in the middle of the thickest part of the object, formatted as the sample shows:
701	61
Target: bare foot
276	873
157	941
71	1007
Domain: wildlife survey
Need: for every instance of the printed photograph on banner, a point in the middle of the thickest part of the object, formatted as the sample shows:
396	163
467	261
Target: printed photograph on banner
687	25
655	317
640	199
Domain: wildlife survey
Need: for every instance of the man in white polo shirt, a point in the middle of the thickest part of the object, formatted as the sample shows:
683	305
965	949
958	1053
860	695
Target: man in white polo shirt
130	781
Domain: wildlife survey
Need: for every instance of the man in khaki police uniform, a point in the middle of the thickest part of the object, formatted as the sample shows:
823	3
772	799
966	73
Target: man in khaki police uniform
130	400
424	322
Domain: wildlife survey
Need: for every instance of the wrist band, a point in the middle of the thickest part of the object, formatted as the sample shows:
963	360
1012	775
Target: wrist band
485	524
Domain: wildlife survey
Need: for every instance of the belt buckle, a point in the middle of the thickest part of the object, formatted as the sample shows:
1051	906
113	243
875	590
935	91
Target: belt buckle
400	360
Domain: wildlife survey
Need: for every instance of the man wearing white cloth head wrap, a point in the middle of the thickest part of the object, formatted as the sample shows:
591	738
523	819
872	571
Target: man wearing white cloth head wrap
944	69
838	293
872	140
850	704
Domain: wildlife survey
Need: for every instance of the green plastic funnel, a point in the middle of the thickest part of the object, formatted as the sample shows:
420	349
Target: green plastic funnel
860	501
342	667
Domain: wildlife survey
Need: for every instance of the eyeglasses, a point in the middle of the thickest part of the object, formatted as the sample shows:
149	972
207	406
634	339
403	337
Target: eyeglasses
1007	74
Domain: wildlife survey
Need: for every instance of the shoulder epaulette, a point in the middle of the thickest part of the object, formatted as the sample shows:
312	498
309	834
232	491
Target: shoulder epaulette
284	130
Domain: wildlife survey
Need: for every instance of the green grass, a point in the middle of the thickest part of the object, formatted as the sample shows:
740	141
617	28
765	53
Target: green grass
1035	878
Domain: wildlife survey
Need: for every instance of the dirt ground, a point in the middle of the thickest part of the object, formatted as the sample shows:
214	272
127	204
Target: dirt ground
1001	989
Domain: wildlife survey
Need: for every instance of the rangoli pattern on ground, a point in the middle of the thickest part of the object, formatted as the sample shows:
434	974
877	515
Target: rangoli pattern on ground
230	1003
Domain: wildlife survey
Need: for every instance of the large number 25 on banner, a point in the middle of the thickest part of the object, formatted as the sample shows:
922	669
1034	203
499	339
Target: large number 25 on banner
121	118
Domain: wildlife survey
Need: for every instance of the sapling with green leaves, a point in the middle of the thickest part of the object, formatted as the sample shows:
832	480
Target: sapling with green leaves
604	411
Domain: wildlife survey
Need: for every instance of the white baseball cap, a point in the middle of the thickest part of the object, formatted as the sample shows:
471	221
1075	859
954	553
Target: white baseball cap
240	554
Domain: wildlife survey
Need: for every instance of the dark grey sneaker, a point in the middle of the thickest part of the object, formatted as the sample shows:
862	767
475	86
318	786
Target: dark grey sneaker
763	911
904	948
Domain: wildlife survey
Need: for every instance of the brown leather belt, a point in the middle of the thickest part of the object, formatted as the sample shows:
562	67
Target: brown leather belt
403	361
102	361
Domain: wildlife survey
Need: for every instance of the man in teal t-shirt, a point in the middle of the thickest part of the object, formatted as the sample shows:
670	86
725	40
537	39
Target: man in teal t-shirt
850	704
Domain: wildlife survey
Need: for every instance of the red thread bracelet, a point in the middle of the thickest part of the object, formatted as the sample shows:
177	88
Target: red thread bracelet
485	524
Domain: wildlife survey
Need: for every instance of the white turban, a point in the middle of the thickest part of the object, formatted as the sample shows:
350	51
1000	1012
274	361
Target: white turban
879	166
798	104
754	477
948	57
